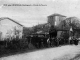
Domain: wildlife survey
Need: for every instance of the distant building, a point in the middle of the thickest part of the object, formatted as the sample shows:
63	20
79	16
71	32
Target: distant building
10	29
55	19
72	23
72	27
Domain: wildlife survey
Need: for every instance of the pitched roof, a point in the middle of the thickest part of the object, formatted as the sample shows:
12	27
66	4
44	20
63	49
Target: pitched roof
2	18
56	14
73	19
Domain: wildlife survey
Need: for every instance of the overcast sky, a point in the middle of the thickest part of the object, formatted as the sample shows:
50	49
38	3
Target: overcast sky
32	15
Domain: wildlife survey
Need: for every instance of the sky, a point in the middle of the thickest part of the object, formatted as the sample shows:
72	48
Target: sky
33	15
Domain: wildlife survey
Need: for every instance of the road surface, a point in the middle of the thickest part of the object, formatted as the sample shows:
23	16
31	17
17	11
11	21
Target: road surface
69	52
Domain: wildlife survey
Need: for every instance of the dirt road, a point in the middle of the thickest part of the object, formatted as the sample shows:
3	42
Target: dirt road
69	52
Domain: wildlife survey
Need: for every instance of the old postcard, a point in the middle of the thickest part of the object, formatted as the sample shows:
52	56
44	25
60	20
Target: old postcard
39	29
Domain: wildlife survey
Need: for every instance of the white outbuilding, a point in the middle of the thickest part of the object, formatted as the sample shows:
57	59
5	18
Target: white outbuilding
10	29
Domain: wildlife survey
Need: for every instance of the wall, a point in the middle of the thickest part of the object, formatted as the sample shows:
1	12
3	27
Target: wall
55	20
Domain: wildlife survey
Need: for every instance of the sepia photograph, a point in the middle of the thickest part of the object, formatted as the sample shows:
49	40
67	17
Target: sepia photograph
39	29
